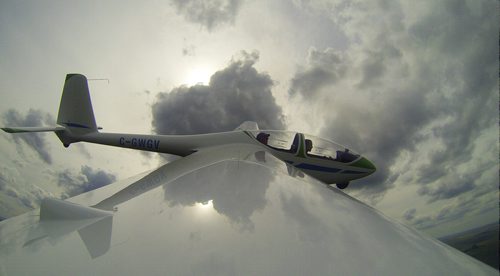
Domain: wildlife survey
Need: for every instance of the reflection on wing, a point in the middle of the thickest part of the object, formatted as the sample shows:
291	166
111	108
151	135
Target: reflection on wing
235	202
226	211
193	163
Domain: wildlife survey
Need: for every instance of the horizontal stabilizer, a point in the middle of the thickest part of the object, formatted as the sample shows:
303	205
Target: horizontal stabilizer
56	209
30	129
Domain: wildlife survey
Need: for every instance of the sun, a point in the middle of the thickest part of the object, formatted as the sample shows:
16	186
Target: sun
205	206
198	75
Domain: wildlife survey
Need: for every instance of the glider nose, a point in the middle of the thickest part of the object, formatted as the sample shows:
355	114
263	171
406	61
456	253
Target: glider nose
366	164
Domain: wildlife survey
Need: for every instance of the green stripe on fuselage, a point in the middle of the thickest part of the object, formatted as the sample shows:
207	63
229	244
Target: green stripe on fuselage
363	163
302	151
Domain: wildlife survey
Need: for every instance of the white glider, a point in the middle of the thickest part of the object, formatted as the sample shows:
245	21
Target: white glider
320	158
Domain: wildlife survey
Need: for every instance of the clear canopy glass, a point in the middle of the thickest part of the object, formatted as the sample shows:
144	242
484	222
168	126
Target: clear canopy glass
315	147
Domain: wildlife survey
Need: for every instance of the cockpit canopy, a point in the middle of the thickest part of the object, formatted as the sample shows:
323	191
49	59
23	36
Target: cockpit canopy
313	146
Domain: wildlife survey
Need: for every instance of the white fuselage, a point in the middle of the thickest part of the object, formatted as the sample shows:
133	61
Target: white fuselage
326	170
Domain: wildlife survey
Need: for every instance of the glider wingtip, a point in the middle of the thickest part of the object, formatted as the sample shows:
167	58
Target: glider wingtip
7	129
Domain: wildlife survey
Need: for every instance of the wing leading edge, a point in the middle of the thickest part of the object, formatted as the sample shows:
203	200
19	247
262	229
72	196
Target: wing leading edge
227	210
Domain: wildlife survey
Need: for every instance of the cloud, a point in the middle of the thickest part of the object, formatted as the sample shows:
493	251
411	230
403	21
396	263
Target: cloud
188	49
23	200
83	150
3	182
34	197
450	187
208	13
34	118
410	214
323	68
448	213
87	180
235	94
461	201
412	80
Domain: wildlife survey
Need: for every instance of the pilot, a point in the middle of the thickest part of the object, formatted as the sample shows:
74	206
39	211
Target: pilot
342	156
263	138
309	145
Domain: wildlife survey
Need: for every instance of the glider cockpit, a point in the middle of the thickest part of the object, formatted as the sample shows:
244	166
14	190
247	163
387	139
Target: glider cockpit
318	157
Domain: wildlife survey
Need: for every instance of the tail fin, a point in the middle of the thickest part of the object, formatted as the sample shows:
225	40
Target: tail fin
75	110
75	117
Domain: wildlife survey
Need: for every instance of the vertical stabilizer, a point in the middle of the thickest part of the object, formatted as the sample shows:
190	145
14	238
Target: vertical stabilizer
75	111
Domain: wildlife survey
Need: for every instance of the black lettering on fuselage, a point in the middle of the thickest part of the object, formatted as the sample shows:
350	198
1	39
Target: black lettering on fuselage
140	143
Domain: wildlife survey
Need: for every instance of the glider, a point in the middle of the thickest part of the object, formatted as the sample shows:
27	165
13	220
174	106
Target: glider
320	158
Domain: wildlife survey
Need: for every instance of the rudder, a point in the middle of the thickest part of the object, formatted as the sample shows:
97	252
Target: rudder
75	110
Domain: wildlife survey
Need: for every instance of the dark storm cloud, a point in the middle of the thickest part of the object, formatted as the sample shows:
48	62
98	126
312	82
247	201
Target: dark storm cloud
469	119
87	180
34	118
410	77
466	36
235	94
381	132
374	66
323	68
208	13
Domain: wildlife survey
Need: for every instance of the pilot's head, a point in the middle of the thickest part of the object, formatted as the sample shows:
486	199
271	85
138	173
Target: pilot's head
263	138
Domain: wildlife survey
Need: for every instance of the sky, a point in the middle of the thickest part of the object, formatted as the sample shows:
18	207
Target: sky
411	85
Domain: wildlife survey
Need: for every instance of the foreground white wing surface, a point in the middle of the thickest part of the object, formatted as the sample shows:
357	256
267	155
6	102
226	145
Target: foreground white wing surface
231	210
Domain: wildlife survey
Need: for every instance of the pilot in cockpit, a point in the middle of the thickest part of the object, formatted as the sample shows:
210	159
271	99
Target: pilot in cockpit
263	138
309	145
345	156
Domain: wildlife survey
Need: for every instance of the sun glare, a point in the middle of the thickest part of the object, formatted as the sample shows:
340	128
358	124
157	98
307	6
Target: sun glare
205	205
198	75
